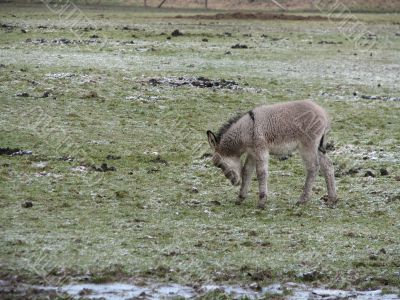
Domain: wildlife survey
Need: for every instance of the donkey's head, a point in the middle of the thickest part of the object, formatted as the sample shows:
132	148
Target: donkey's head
230	165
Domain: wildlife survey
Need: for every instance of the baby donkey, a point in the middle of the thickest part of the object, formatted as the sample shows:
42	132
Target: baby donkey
277	129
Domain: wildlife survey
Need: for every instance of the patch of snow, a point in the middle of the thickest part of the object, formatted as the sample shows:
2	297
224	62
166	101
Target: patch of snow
59	75
79	169
121	291
40	165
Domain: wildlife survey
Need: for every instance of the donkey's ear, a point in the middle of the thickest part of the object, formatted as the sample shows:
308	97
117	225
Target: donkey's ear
212	140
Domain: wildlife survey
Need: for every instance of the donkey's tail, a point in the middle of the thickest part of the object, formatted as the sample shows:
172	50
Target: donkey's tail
322	146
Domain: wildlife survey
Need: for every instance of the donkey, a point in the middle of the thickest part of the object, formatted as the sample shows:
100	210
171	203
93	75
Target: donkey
277	129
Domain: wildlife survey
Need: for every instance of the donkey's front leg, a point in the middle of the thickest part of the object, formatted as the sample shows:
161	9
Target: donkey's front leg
247	172
262	176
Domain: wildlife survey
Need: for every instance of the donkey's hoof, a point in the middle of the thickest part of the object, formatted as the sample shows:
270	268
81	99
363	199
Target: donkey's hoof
261	206
329	201
240	200
326	198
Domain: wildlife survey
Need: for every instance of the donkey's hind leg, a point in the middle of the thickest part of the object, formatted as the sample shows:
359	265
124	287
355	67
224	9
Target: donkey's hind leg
247	172
310	158
262	176
328	172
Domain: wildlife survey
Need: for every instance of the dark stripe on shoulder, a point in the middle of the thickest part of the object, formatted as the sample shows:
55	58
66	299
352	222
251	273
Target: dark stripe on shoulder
251	113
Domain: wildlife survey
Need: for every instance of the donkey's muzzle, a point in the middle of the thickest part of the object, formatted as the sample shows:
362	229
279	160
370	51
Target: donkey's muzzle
233	178
235	182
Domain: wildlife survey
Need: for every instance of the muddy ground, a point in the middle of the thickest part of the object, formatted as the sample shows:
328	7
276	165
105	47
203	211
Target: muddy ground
260	16
278	6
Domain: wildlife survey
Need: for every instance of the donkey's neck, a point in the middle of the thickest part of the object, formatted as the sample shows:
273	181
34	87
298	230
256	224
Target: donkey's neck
237	138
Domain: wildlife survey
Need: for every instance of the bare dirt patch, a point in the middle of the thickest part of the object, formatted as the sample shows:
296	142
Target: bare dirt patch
14	152
305	5
200	82
258	16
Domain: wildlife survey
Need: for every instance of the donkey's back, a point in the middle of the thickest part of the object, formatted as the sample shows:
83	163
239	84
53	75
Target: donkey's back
297	122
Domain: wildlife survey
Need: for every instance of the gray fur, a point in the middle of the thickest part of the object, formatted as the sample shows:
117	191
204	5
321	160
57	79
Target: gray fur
277	129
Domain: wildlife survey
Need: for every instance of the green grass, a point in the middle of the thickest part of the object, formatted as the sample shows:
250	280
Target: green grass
144	220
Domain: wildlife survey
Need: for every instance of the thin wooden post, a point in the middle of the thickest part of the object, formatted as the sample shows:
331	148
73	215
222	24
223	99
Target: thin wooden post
162	2
206	3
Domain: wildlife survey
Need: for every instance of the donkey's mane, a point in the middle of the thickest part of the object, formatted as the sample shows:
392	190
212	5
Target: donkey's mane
224	128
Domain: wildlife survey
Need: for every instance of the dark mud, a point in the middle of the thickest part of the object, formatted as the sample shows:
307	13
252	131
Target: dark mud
383	98
7	27
384	172
239	46
8	151
113	157
27	204
23	94
200	82
63	41
329	43
358	171
369	173
104	168
23	292
176	32
258	16
14	151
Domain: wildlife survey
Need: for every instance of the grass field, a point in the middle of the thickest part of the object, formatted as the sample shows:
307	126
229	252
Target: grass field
119	186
